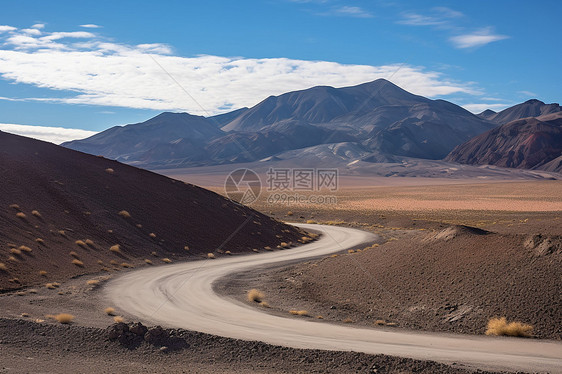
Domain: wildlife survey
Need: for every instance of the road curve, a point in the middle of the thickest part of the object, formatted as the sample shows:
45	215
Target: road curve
181	295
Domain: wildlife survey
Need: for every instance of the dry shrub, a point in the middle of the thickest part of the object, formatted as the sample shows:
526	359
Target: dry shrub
43	273
93	282
80	243
3	267
78	263
21	215
311	221
284	245
113	262
115	248
33	290
264	304
139	225
126	265
255	250
313	235
109	171
64	318
303	313
154	254
12	258
89	243
227	253
25	315
15	206
149	262
124	214
21	293
40	241
268	248
24	248
109	311
289	213
348	320
36	213
500	326
255	296
118	319
167	260
73	254
62	233
319	317
211	255
186	248
350	251
380	322
15	251
100	262
152	235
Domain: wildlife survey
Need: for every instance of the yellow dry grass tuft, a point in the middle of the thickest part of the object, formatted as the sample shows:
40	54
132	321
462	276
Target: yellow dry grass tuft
3	267
311	222
21	215
255	296
64	318
124	214
211	256
149	262
43	273
89	243
152	235
167	260
380	322
126	265
93	282
115	248
500	326
347	320
12	258
264	304
51	286
186	248
109	171
25	248
109	311
284	245
80	243
289	213
303	313
227	253
15	251
15	206
73	254
78	263
118	319
113	262
36	213
100	262
40	241
268	248
319	317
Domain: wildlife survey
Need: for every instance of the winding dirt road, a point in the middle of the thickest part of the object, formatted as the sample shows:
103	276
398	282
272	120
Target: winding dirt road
182	296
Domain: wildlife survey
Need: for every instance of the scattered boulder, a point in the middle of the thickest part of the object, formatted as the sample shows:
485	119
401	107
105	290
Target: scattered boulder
544	245
133	334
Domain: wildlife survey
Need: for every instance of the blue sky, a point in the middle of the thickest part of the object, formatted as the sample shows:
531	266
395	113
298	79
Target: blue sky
92	65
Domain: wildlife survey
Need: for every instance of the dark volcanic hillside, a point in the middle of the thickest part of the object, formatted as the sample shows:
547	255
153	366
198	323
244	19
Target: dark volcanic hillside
529	143
378	116
52	197
530	108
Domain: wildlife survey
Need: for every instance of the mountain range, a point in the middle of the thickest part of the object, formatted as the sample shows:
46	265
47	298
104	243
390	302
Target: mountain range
374	122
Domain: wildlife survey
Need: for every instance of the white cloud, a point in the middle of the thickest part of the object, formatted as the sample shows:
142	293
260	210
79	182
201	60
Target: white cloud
31	31
5	28
148	76
90	26
38	26
55	135
527	93
414	19
352	11
480	107
476	39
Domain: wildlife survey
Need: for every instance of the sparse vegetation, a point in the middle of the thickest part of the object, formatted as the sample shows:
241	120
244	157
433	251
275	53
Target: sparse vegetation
21	215
15	206
126	265
89	243
302	313
152	235
227	253
40	241
380	322
36	213
43	273
109	171
78	263
25	248
500	326
186	248
100	262
118	319
255	296
289	213
93	282
73	254
15	251
268	248
211	256
264	304
64	318
115	248
311	221
3	267
167	260
113	262
284	245
80	243
124	214
149	262
109	311
347	320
